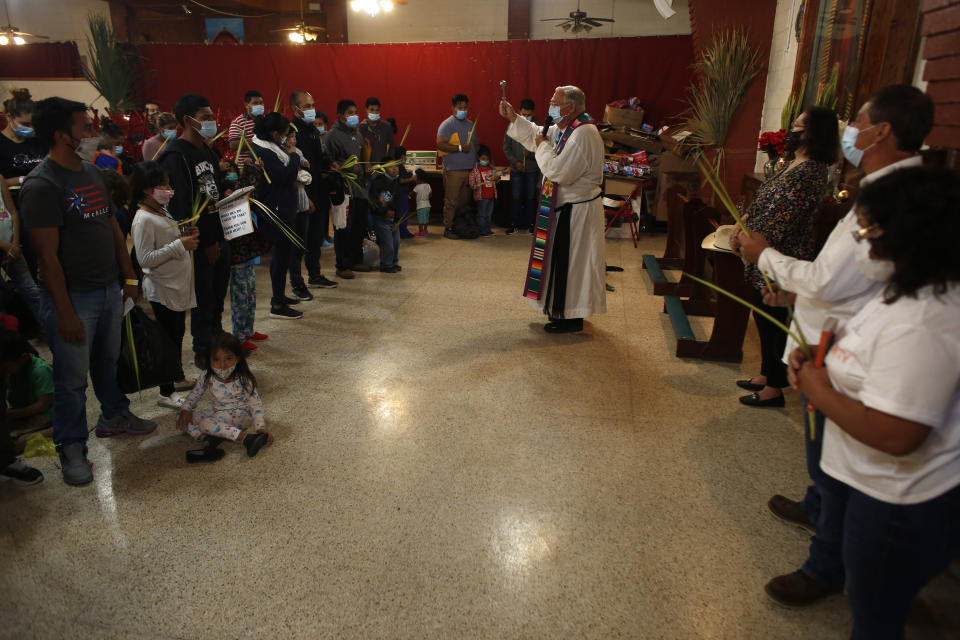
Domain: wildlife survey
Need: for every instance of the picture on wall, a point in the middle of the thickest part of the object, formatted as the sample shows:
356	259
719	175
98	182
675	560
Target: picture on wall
224	30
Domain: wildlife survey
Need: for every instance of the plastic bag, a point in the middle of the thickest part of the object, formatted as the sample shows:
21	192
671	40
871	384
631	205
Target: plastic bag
156	359
39	445
371	253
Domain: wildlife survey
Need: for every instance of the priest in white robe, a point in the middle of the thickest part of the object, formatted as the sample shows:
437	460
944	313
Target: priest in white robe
566	275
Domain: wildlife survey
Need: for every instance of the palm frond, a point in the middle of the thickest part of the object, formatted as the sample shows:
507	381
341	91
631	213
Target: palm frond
794	105
108	67
722	76
827	92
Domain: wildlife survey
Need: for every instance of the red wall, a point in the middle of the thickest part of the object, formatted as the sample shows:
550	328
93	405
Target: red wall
416	81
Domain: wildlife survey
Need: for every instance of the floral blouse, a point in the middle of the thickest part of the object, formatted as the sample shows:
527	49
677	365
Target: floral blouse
229	396
784	212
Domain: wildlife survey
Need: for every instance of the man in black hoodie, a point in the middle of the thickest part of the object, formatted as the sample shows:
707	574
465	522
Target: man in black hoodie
312	227
194	170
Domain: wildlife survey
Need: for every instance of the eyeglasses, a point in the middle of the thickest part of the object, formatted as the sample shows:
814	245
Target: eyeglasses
867	233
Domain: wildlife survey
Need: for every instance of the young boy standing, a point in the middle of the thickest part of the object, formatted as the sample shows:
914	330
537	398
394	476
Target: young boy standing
384	192
483	181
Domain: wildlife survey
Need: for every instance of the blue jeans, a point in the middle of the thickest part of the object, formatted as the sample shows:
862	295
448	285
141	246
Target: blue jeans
811	501
485	214
388	240
99	311
891	552
525	187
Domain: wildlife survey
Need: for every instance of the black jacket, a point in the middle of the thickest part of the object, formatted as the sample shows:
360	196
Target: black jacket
280	194
193	170
385	194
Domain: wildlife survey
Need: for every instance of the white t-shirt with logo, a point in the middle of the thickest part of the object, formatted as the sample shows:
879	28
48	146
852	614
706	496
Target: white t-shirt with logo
902	359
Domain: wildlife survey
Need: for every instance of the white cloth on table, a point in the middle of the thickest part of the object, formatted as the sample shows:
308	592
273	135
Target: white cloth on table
578	173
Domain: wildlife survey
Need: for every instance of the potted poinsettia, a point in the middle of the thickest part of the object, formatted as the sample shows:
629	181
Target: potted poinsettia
772	143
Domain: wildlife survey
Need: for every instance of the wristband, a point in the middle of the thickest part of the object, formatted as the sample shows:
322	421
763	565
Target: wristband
21	179
460	148
132	282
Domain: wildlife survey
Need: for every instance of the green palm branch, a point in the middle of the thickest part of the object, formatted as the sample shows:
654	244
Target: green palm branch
108	67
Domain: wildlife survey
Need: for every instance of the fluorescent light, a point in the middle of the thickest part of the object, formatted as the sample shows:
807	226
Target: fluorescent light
18	40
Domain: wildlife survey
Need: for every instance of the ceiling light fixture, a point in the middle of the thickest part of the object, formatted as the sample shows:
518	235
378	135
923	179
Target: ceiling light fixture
371	7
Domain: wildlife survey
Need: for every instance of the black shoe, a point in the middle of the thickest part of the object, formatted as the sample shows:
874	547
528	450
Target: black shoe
254	442
510	230
448	233
300	292
389	269
320	282
753	400
791	512
564	326
797	589
406	235
398	267
211	451
750	386
284	312
22	474
532	230
287	300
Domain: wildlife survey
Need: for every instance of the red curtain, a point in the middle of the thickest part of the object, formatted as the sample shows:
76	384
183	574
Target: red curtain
416	81
40	60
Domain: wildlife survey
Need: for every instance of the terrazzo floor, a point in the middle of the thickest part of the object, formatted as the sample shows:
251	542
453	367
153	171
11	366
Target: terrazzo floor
442	469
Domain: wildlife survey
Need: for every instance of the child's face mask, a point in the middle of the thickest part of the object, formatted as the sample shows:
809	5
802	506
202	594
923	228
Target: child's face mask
223	374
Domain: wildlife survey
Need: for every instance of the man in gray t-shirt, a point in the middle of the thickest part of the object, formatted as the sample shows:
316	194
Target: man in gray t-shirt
454	139
67	210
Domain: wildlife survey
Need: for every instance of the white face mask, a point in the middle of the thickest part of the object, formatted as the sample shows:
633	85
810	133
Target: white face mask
878	270
848	144
223	374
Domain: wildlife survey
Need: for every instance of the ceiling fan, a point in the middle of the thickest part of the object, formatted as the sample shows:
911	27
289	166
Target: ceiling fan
302	32
10	33
578	21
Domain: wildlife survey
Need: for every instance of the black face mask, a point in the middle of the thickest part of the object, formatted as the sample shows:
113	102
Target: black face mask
793	141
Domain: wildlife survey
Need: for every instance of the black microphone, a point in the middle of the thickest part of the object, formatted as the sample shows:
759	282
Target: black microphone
546	126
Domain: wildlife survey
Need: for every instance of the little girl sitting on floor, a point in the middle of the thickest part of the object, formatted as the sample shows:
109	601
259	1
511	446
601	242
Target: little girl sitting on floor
236	403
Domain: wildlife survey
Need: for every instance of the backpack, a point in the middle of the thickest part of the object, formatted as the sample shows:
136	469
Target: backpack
465	223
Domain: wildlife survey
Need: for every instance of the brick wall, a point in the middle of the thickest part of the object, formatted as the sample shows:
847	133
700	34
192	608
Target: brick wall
941	28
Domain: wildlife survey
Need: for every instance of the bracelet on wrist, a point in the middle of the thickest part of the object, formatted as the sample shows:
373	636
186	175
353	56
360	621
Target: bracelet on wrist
132	282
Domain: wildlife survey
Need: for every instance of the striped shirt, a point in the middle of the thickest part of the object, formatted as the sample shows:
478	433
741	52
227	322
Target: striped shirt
243	123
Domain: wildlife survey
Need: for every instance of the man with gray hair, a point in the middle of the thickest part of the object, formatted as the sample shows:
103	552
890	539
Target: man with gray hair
565	276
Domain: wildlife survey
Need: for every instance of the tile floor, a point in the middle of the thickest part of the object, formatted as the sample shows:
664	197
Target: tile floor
442	469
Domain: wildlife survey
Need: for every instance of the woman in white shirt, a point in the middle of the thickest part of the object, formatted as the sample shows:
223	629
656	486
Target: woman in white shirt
891	392
164	256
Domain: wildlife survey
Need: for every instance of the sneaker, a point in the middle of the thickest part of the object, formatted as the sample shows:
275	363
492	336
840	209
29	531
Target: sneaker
285	313
248	346
487	234
345	274
326	243
791	512
361	268
300	293
320	282
184	385
406	236
510	230
258	337
22	474
126	422
448	233
287	300
172	401
798	589
389	270
74	464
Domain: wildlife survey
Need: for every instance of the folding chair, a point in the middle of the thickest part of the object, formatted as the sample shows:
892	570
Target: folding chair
625	210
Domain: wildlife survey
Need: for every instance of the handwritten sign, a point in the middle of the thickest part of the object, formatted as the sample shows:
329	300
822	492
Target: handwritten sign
235	218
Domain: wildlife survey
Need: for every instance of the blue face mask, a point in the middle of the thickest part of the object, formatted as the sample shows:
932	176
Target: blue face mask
256	110
484	163
118	149
554	112
373	117
461	114
169	134
321	129
231	177
208	129
848	143
353	121
309	115
24	132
